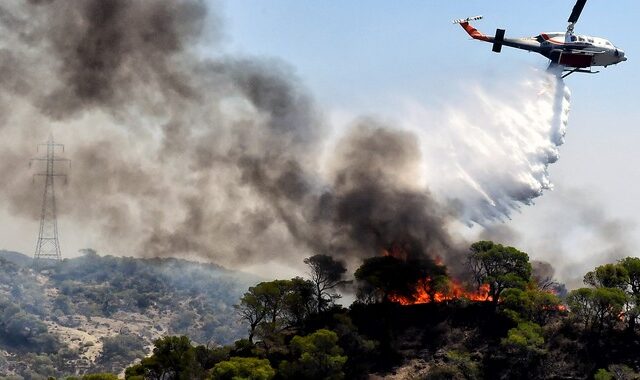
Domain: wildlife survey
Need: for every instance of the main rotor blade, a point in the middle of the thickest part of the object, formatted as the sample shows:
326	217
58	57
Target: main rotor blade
577	10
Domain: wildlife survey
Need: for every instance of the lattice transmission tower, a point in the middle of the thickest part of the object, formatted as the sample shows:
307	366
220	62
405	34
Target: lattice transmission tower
48	245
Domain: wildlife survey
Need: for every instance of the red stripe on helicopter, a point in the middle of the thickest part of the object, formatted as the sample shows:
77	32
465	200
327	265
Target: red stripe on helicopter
473	32
547	38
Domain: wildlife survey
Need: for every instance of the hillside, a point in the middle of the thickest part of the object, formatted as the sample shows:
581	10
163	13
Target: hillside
101	313
413	320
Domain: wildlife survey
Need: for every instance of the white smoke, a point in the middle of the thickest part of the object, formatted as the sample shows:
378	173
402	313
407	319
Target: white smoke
490	155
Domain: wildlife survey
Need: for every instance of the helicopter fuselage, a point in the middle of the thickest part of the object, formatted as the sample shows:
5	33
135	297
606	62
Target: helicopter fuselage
603	52
572	51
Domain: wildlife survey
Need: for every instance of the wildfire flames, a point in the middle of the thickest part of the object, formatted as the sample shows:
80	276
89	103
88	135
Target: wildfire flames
427	290
425	293
443	289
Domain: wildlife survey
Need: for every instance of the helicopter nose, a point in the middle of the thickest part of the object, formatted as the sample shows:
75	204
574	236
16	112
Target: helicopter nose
620	54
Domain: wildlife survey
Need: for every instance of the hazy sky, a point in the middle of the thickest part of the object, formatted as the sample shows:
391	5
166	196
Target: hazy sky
359	57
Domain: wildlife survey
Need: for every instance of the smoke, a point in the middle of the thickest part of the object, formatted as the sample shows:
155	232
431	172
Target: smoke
226	158
573	231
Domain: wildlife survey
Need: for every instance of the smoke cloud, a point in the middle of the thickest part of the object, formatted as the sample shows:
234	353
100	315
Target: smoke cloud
225	158
573	231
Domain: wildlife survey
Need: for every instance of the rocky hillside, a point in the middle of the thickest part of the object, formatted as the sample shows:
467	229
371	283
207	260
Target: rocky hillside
101	313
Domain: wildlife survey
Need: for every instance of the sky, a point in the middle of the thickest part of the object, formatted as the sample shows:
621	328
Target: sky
372	58
369	59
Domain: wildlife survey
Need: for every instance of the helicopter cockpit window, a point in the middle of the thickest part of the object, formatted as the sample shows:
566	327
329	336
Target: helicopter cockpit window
608	43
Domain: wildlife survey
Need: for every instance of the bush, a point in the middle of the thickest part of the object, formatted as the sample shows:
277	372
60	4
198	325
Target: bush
100	376
243	368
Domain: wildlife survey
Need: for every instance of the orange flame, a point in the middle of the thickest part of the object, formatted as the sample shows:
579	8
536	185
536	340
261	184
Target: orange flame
425	293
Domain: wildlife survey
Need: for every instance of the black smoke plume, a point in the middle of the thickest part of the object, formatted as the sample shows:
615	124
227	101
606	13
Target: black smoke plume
174	154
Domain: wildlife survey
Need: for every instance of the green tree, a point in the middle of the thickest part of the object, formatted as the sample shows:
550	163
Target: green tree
625	276
526	335
252	309
597	307
263	305
273	295
316	356
500	267
603	374
326	274
272	307
608	276
173	358
299	301
237	368
529	305
632	266
524	346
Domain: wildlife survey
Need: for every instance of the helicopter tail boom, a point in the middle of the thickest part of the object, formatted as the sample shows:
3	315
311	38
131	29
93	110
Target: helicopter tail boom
473	32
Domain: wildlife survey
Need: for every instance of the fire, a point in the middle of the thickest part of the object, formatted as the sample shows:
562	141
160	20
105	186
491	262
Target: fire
425	293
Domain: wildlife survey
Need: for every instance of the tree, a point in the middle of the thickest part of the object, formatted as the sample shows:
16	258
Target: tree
632	266
263	303
252	309
384	277
299	302
316	356
603	374
500	267
120	350
326	274
173	358
527	335
524	346
597	307
608	276
274	306
433	277
624	275
529	305
273	294
243	368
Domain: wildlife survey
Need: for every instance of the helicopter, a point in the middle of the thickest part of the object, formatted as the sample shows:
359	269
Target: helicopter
572	52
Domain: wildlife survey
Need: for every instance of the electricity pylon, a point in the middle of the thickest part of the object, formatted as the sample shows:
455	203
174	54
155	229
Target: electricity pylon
48	245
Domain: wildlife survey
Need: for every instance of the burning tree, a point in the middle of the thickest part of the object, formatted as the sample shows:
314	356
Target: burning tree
397	278
385	278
